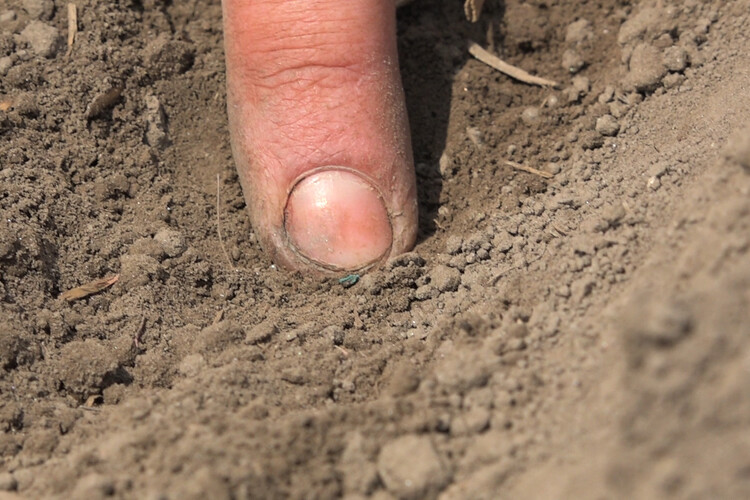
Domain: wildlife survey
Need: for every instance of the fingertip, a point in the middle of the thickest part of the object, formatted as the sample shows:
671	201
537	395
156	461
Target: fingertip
337	219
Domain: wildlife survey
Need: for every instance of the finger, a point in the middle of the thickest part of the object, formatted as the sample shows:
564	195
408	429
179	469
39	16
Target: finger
319	130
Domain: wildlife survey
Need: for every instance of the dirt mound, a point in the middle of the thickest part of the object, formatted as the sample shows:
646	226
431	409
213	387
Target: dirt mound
575	334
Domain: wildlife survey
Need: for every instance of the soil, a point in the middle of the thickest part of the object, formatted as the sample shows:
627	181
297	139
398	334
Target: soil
580	335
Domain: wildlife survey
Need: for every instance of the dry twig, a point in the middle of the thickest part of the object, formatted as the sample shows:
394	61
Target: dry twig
502	66
218	316
139	334
72	27
472	9
89	288
103	102
531	170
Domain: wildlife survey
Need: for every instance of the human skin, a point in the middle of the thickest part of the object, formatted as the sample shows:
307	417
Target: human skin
319	131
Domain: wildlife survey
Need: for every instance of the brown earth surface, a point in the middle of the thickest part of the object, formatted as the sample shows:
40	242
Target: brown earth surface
581	336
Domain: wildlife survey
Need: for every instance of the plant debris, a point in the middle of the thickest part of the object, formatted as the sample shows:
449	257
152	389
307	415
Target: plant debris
508	69
89	288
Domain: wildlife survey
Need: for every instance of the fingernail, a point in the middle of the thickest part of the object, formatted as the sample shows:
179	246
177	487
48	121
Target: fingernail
337	219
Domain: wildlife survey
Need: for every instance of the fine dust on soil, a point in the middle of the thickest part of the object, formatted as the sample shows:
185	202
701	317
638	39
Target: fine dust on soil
584	336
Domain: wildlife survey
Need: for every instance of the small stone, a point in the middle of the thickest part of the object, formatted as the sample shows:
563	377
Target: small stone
607	125
445	164
572	61
425	292
675	59
171	241
653	183
531	116
579	31
7	16
335	333
475	135
502	241
646	68
410	468
453	244
39	9
636	25
591	140
43	38
5	64
607	95
156	123
445	279
673	80
471	422
7	482
582	84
